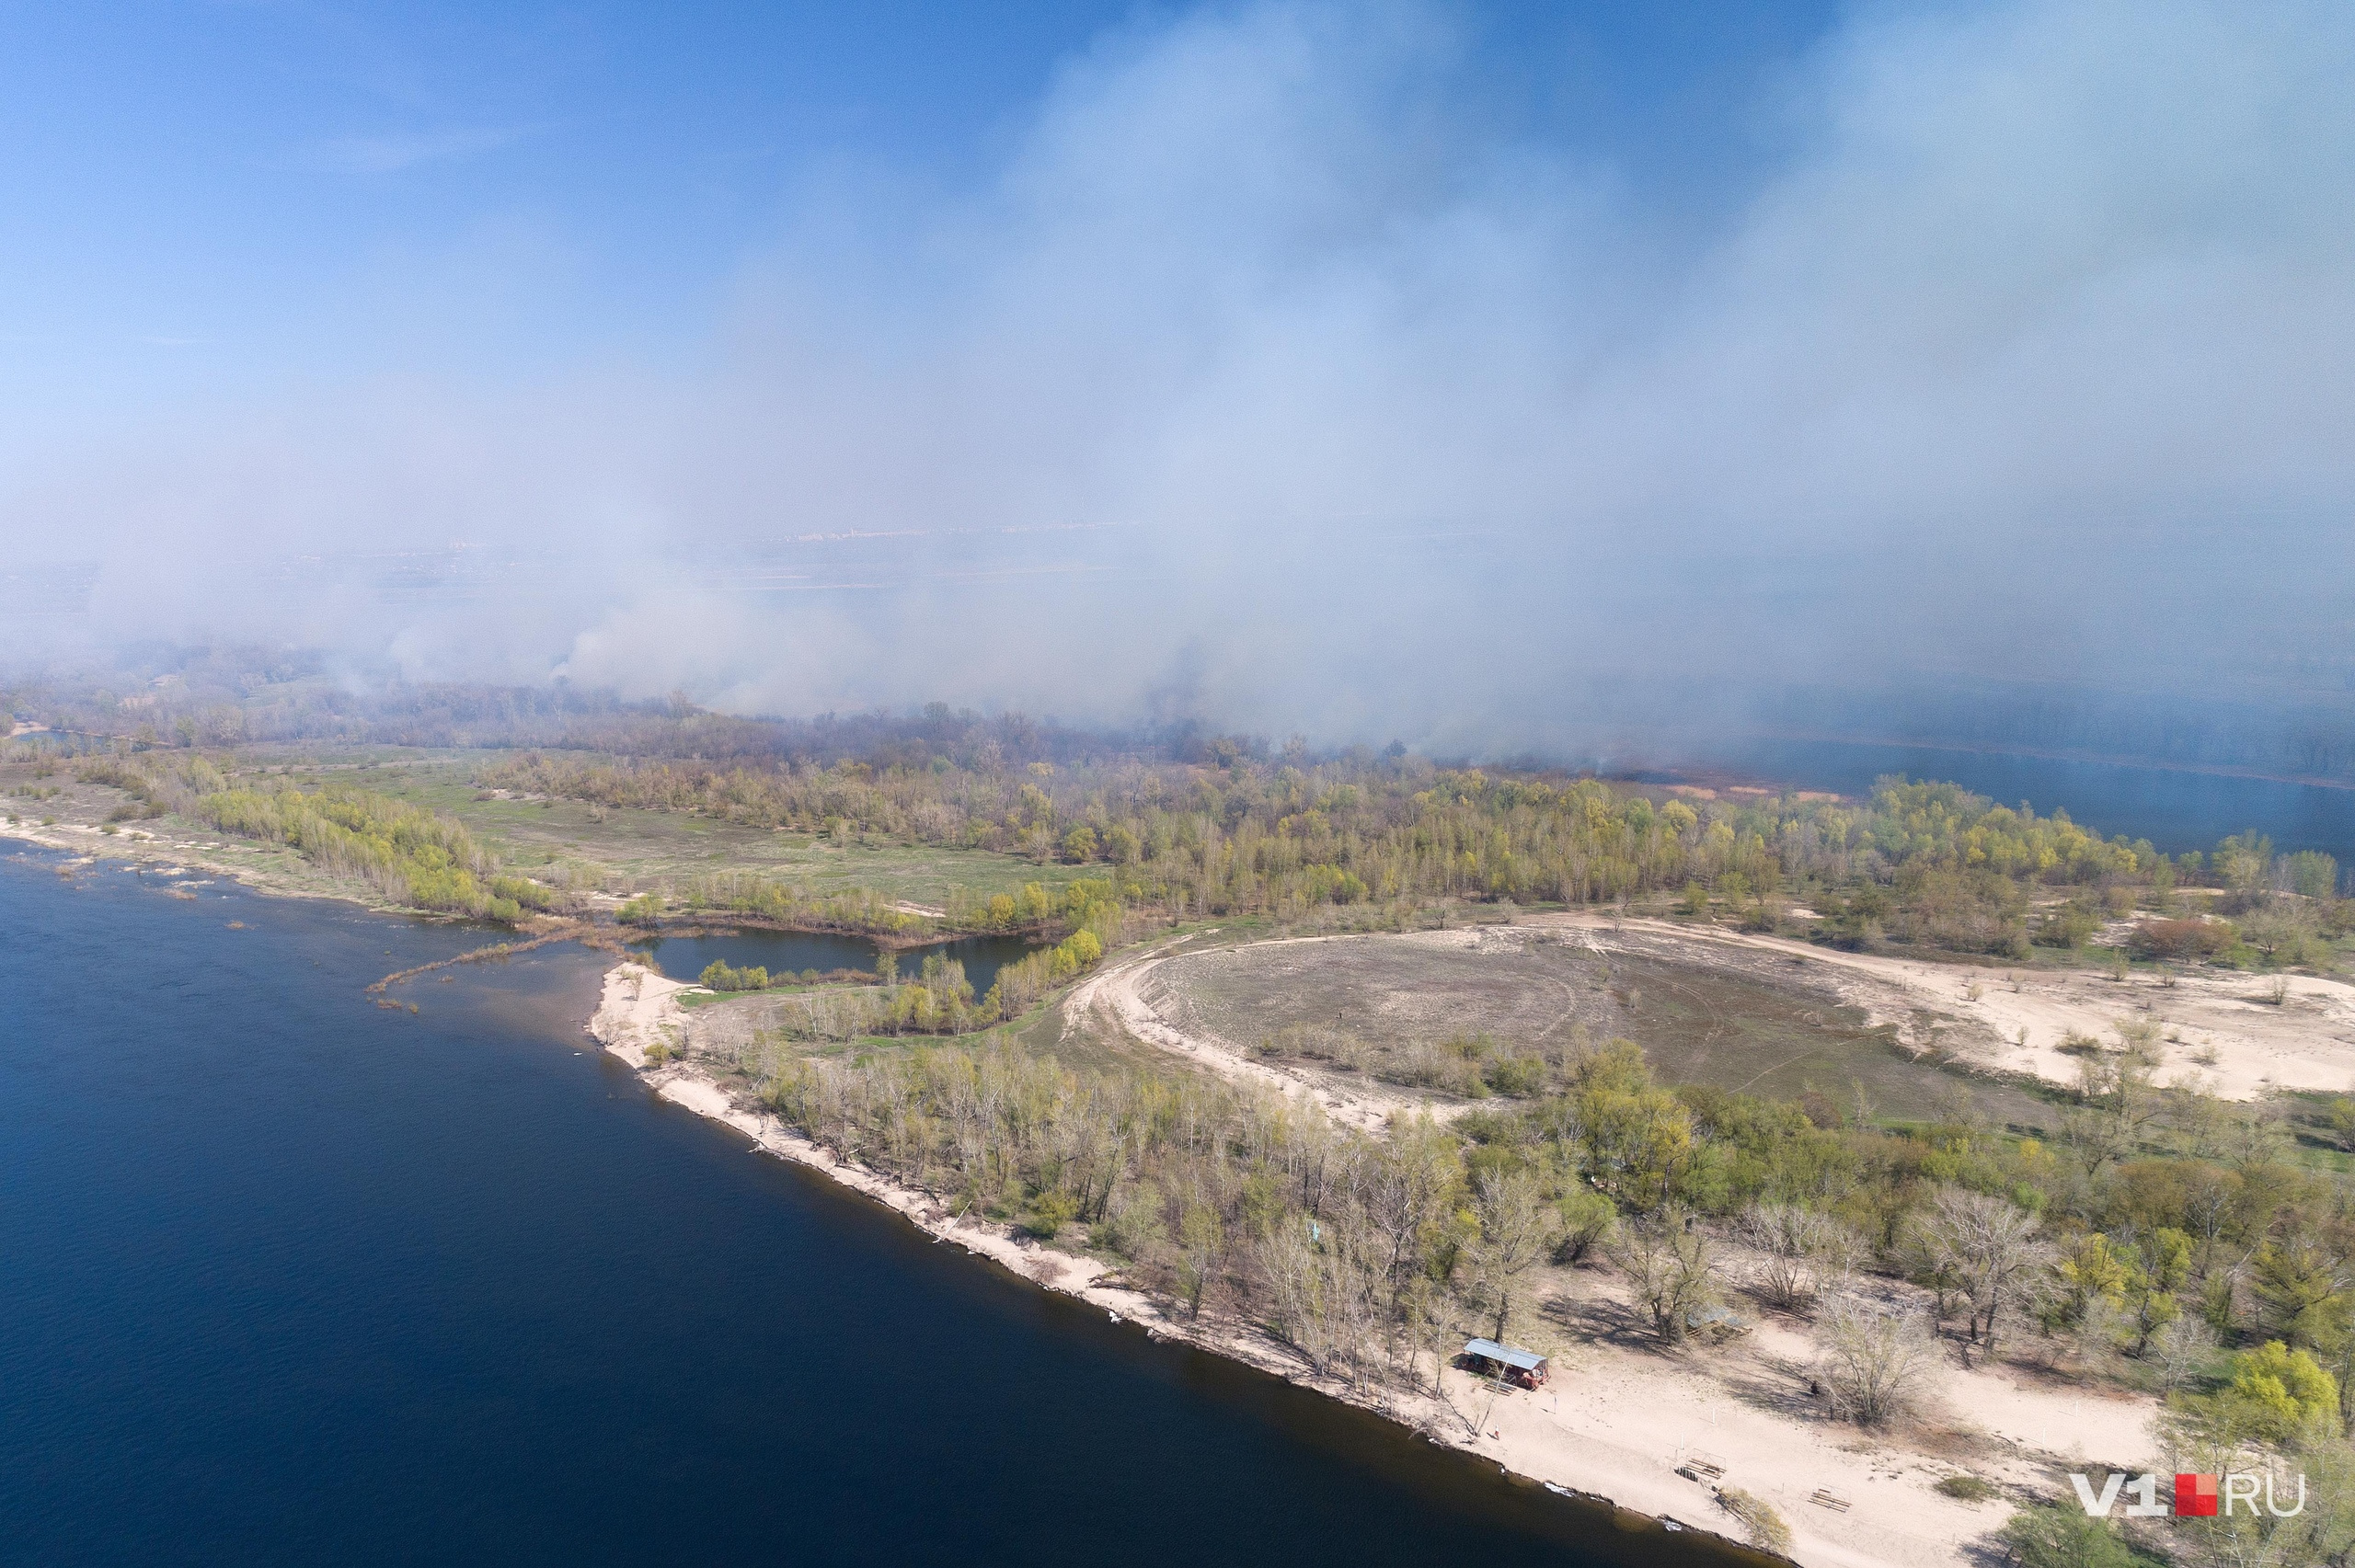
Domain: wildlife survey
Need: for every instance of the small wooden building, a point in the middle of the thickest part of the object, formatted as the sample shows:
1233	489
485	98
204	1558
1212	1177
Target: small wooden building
1491	1359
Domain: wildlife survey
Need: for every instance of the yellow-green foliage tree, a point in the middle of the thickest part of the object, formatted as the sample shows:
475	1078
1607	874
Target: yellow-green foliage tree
410	856
1950	868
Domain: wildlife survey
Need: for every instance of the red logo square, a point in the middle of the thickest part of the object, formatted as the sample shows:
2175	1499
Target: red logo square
2195	1497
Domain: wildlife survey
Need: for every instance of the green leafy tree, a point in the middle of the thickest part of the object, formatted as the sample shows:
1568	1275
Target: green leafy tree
2297	1284
2155	1272
2062	1537
2279	1392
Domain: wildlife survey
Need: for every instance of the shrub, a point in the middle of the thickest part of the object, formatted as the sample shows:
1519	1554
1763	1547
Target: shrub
1764	1526
1048	1213
2068	926
2182	939
2281	1390
1426	1066
523	891
1517	1075
1316	1042
1588	1220
1967	1488
719	976
1877	1362
2062	1537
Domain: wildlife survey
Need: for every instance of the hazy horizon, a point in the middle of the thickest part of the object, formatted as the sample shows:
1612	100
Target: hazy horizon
1457	373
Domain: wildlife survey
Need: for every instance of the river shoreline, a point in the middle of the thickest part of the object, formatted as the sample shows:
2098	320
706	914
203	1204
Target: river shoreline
638	1008
143	846
293	1279
1628	1462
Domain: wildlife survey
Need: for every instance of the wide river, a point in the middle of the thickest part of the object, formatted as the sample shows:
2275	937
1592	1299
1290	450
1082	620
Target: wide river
2176	809
288	1278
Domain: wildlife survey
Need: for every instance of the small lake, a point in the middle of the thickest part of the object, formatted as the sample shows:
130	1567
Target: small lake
287	1277
794	952
2175	810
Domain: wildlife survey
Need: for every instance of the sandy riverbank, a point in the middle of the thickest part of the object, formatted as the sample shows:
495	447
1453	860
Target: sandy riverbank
197	855
1620	1419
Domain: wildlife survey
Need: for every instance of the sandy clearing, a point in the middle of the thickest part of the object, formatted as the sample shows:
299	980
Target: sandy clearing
1621	1408
2308	1042
1624	1432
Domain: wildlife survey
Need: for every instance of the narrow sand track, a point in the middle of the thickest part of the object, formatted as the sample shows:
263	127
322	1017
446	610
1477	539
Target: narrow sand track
1120	995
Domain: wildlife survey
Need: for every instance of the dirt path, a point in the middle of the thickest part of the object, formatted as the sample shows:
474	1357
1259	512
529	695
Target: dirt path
1119	996
1979	1013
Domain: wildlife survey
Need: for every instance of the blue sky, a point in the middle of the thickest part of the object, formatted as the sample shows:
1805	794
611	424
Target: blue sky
206	198
1056	356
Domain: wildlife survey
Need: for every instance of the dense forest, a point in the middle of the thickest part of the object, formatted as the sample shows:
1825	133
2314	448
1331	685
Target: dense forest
2291	726
1921	863
1355	839
238	696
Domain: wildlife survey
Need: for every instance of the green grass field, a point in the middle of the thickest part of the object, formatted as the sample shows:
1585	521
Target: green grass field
626	852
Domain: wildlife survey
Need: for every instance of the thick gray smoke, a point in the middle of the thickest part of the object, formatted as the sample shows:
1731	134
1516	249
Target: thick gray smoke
1267	375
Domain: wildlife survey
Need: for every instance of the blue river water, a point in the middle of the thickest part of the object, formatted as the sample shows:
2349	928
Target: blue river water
781	952
2175	809
286	1277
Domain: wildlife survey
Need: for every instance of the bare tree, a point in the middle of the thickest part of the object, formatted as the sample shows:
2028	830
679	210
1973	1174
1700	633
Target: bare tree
2178	1350
2118	1098
1877	1362
1430	1325
1990	1248
1405	1187
1517	1229
1803	1249
1297	1289
1201	1246
1763	1526
1671	1268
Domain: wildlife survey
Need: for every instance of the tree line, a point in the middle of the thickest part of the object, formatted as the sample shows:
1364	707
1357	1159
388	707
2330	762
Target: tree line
408	856
1921	864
